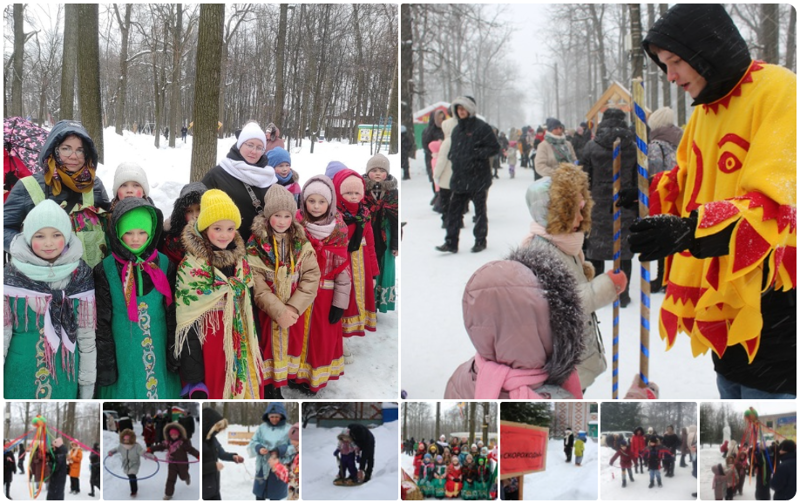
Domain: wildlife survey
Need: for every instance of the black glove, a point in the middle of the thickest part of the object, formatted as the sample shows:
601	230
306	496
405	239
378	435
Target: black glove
335	314
628	198
661	235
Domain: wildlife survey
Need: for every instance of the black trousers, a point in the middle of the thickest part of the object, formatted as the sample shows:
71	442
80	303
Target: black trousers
8	489
568	452
455	217
444	201
625	266
134	484
75	484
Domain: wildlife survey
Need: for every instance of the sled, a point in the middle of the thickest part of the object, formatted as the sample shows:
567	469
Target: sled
346	482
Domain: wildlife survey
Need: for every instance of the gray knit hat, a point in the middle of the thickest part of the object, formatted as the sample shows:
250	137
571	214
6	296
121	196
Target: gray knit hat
130	172
378	161
46	214
279	199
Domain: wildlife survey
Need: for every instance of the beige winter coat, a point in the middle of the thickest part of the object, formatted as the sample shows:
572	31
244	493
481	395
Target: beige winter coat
444	168
545	161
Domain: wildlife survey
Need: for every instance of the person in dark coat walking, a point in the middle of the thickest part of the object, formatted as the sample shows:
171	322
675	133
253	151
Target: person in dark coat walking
94	464
183	133
244	175
407	150
784	481
581	137
365	441
671	442
21	458
473	144
9	469
159	423
569	442
597	162
125	422
213	424
187	422
57	457
432	133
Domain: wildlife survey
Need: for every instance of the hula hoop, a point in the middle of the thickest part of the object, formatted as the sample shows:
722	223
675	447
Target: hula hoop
158	467
152	456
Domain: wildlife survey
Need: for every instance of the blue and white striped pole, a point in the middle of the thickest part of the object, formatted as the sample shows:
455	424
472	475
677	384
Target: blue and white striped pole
616	162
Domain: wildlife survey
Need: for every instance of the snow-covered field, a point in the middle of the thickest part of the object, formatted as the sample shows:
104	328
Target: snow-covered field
20	491
153	488
679	487
374	371
318	466
562	480
407	464
434	338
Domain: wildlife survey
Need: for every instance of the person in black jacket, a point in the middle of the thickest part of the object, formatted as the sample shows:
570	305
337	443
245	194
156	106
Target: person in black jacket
94	463
125	421
57	457
473	144
432	133
244	175
784	481
671	441
160	421
408	149
569	441
582	136
21	457
213	424
365	441
187	422
597	163
9	469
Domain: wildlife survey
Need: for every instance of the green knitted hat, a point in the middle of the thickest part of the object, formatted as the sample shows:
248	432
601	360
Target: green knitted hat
137	218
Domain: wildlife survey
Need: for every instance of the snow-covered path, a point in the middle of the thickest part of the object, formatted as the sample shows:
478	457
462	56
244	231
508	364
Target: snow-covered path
318	466
434	338
153	488
562	480
679	487
20	491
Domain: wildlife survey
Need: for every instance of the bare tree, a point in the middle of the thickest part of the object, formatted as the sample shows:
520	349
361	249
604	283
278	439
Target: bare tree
791	39
768	33
69	63
637	54
122	88
19	53
89	76
177	48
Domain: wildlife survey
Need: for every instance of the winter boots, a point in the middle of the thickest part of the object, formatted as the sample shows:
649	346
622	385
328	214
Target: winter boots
348	355
624	484
651	485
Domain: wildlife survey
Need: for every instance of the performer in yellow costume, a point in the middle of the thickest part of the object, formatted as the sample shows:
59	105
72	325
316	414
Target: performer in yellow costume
725	216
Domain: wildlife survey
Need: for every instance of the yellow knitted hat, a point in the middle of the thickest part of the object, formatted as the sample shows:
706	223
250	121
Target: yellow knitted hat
216	205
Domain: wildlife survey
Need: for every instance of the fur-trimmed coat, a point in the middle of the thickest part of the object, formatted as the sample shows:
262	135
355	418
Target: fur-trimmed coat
177	450
131	453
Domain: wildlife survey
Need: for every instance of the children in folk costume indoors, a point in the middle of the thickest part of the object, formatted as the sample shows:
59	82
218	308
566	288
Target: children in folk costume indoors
216	338
327	233
49	311
213	453
279	159
513	310
74	459
184	210
271	439
130	453
382	200
346	453
94	464
350	187
439	477
286	274
625	460
452	488
178	447
134	297
580	444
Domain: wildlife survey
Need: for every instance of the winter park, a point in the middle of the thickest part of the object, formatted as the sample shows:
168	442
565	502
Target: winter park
549	450
51	451
748	450
349	451
598	202
449	450
229	203
648	451
151	451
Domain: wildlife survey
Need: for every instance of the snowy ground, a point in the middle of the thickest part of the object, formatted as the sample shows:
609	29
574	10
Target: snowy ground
153	488
20	491
710	457
438	279
679	487
319	468
407	464
562	480
168	170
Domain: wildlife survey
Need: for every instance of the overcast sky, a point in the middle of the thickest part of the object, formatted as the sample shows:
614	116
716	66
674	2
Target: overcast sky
764	406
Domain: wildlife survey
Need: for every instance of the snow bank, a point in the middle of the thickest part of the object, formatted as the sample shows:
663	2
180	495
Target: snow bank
679	487
562	480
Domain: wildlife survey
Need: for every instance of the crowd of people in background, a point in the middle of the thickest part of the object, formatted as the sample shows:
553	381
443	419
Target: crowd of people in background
772	466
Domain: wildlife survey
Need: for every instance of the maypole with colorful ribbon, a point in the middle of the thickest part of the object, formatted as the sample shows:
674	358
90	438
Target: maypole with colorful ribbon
617	161
644	211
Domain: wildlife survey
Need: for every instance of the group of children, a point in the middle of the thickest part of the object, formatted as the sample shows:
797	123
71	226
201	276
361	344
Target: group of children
729	479
187	308
455	471
650	452
577	444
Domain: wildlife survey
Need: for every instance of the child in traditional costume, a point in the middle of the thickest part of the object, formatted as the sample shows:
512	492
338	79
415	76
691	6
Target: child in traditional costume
185	210
381	199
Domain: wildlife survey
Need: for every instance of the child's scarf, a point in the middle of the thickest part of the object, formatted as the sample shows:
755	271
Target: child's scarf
129	284
329	236
494	377
358	214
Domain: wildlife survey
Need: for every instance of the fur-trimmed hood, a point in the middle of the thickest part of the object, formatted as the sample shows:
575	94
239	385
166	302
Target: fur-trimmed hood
552	201
387	185
200	247
467	103
190	194
127	431
213	423
177	426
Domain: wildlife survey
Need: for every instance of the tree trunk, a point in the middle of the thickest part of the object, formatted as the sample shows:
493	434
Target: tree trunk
223	75
69	62
791	42
637	54
485	422
27	423
597	24
89	76
405	420
438	420
407	67
206	89
472	407
359	110
681	107
392	114
122	88
652	69
768	32
174	101
277	113
19	55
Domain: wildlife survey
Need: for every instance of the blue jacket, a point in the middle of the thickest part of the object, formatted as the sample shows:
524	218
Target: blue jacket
270	437
784	482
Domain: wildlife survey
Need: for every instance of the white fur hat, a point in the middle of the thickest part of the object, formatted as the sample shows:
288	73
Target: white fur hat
130	172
